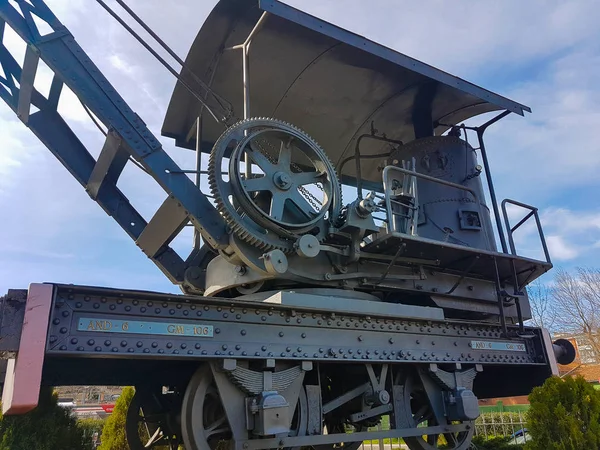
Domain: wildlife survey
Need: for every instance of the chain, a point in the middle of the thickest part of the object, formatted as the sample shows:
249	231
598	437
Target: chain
310	198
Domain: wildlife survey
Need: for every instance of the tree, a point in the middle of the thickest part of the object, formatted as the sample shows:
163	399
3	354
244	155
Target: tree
564	414
47	427
543	311
113	433
577	302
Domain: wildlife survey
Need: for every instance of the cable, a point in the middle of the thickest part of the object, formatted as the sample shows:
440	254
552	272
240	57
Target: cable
162	61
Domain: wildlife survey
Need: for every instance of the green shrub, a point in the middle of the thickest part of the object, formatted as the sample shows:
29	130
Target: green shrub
494	443
88	427
564	415
113	433
47	427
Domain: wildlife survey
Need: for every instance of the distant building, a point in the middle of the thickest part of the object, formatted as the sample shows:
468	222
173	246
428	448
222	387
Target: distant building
586	362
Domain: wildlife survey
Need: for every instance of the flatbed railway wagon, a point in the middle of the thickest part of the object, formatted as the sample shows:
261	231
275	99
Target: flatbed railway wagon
303	315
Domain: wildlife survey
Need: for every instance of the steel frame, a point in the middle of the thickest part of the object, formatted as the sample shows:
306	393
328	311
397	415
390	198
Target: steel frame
84	320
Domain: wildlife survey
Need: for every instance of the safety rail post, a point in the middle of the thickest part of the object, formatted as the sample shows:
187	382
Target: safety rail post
533	211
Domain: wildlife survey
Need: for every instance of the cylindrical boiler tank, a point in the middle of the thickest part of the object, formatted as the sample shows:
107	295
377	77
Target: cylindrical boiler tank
447	213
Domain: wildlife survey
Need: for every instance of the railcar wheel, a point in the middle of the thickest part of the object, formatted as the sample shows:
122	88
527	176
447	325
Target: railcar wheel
419	412
152	421
339	427
204	422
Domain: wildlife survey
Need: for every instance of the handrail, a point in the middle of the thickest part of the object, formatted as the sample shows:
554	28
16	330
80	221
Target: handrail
533	211
388	203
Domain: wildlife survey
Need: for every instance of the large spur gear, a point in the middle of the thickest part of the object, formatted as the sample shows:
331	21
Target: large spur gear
290	190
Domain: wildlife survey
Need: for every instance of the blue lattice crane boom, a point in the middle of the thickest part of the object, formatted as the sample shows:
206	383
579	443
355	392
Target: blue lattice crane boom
128	137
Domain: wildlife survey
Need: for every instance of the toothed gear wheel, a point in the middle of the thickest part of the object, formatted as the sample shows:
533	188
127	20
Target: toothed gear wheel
292	188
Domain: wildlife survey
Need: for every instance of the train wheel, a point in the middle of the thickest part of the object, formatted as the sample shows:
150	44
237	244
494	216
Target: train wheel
204	421
152	421
339	427
420	413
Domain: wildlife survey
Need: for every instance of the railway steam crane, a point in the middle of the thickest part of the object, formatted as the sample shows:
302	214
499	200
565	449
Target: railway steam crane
303	315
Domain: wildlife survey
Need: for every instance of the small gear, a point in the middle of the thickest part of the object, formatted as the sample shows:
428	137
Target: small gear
290	189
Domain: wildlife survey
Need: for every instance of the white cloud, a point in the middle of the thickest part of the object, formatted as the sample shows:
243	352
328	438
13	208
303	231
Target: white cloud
561	250
569	234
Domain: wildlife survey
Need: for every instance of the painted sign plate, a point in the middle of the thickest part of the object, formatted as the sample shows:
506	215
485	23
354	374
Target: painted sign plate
503	346
141	327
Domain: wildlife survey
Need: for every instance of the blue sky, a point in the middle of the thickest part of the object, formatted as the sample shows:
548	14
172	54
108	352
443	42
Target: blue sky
545	54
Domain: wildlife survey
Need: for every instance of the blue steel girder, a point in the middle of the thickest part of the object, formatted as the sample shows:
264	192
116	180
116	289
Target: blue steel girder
127	136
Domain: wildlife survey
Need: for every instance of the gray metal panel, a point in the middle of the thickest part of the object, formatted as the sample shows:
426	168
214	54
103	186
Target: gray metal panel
330	303
323	79
12	311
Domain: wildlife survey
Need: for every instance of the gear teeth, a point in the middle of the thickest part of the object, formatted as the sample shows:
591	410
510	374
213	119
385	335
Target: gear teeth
237	227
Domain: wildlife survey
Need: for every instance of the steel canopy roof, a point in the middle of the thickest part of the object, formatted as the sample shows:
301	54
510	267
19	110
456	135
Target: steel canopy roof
329	82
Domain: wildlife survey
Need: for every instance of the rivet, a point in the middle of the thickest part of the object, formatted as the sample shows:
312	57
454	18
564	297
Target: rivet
154	344
199	313
98	349
63	330
243	332
115	349
391	340
91	342
123	343
169	345
217	330
184	346
74	341
160	350
303	335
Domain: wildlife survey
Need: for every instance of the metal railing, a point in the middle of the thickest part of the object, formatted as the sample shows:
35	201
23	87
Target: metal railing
533	211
